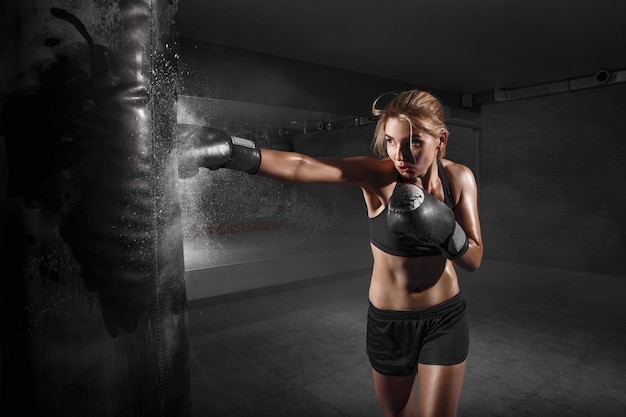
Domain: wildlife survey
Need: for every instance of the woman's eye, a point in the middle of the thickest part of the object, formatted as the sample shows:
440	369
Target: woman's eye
416	142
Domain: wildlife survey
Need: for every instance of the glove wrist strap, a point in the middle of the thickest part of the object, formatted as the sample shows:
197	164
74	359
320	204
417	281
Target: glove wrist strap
457	244
245	156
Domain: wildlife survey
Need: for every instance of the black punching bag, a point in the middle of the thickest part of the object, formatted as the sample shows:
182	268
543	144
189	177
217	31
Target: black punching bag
92	294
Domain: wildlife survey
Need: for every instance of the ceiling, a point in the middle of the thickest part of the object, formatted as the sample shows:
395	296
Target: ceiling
459	46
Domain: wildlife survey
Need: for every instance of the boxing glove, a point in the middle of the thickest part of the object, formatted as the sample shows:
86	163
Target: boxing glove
415	213
207	147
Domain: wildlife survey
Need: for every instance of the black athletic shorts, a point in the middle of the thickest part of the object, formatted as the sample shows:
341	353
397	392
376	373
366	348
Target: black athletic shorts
398	340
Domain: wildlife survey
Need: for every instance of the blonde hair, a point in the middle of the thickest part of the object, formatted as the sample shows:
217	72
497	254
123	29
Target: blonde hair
421	109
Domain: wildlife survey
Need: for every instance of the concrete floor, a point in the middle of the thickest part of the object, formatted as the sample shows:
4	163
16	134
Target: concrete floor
544	342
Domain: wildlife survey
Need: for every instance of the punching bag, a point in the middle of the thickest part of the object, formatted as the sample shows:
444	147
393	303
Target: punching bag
92	293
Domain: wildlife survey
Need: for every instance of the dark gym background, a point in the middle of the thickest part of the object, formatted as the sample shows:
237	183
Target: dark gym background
276	275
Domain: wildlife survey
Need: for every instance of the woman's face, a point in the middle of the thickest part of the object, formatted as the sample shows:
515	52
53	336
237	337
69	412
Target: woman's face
412	158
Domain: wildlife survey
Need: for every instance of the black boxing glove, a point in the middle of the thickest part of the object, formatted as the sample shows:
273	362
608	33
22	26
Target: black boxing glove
207	147
416	213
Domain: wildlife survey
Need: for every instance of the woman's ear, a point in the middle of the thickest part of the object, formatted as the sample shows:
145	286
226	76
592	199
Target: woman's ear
443	141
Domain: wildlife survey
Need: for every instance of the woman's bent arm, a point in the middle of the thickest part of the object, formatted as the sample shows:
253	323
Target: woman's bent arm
466	213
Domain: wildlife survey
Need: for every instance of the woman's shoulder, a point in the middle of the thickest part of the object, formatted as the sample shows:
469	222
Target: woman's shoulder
383	169
459	175
455	169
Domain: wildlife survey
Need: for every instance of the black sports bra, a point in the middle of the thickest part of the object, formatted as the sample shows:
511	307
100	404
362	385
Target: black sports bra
383	239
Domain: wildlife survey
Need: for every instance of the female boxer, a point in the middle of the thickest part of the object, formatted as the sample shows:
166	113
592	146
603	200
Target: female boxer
423	219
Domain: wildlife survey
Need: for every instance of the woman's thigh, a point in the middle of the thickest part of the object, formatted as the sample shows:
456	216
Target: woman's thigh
395	394
439	389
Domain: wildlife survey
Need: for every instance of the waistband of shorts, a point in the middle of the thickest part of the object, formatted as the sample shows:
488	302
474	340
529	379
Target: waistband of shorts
421	313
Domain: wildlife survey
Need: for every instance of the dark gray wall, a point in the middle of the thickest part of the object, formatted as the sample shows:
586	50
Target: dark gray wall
216	71
552	180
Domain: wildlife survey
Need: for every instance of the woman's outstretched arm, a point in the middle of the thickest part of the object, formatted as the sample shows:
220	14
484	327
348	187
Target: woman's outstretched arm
300	168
